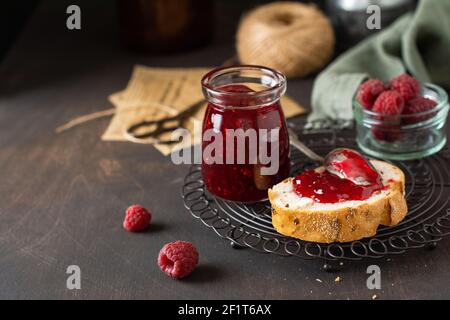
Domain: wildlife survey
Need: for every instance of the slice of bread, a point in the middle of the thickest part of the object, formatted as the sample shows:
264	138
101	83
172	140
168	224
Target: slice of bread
306	219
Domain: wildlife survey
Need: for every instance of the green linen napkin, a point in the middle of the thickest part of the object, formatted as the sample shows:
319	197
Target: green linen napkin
418	43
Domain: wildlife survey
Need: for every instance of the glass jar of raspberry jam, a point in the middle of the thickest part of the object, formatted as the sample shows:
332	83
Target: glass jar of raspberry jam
245	144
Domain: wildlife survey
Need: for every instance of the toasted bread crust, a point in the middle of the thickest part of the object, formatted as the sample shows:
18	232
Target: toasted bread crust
343	224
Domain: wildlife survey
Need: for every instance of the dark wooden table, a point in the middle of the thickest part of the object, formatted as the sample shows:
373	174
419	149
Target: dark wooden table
62	196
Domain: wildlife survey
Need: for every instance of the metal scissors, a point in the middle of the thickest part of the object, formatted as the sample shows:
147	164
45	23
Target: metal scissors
157	127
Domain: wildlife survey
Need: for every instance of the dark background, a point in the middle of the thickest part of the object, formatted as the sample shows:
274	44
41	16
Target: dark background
15	15
62	196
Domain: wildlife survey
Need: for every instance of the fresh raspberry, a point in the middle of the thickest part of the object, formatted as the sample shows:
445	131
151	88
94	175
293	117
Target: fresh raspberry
407	86
389	102
178	259
387	133
418	105
137	218
390	105
369	91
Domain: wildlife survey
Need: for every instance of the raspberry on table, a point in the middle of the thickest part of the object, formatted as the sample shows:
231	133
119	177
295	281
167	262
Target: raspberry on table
389	102
178	259
418	105
408	87
137	218
369	91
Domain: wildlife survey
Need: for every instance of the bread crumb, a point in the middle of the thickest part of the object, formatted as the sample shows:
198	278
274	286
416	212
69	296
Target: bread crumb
341	263
338	279
374	297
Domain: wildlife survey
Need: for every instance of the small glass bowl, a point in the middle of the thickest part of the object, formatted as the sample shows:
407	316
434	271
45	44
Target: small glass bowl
403	137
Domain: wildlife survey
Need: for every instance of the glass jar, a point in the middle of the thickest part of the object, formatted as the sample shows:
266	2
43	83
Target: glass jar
245	146
407	136
165	26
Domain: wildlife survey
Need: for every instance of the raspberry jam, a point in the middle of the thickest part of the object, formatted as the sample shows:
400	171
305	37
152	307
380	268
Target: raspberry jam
325	187
351	165
236	106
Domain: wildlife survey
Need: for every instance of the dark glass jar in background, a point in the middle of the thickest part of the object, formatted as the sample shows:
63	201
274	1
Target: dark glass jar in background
165	26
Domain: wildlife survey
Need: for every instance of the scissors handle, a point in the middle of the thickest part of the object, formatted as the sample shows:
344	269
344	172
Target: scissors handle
162	125
157	127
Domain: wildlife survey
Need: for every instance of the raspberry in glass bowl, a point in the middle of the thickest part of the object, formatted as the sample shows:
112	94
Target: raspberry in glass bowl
406	120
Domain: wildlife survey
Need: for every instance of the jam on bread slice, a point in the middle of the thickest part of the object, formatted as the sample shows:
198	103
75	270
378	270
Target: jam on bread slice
311	219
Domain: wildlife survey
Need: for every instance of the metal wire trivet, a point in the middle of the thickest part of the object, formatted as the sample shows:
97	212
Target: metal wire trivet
427	222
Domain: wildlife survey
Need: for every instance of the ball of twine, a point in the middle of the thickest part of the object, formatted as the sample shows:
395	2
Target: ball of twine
294	38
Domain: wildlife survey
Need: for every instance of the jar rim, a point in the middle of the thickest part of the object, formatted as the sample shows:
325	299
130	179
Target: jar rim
277	89
441	99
